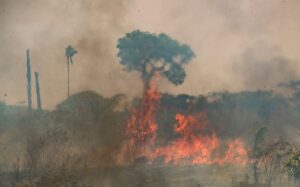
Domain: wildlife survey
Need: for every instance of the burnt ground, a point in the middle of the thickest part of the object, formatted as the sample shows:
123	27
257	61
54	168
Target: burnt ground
147	176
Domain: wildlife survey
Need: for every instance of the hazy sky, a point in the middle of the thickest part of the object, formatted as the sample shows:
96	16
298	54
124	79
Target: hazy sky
240	44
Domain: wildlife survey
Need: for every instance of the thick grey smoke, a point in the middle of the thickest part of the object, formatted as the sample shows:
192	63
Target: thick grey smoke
220	33
240	45
262	67
47	27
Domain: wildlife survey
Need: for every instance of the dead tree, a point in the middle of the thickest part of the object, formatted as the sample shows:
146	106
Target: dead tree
38	94
28	76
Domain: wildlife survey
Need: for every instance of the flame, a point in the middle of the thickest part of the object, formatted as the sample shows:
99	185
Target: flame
236	153
197	143
141	127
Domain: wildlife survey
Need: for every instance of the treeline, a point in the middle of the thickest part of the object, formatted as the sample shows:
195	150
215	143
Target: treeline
87	130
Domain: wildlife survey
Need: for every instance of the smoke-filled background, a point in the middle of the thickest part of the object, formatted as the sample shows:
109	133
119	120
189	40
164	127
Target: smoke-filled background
244	78
240	45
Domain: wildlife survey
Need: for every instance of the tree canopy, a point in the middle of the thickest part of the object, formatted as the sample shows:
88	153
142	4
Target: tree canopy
151	53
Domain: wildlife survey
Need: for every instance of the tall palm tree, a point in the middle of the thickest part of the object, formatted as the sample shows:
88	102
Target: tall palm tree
70	52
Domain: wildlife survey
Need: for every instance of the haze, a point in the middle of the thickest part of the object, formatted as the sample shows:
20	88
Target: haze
240	45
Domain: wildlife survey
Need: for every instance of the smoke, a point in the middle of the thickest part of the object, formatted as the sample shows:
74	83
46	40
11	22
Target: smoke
220	33
240	45
223	34
263	67
91	27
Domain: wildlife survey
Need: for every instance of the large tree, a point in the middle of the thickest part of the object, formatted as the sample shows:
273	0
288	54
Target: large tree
154	54
150	54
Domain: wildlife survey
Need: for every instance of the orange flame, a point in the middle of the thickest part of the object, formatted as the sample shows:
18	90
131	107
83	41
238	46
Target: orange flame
142	126
197	142
196	146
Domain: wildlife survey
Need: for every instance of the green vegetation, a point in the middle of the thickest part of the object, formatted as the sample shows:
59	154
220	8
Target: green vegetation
292	164
153	54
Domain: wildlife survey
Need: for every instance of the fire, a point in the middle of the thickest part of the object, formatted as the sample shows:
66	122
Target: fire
197	142
194	145
142	126
199	145
236	153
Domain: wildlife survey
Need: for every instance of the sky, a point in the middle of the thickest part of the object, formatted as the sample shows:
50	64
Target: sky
239	44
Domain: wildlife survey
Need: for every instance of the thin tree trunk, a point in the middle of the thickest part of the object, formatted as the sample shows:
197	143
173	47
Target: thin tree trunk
28	75
68	63
38	94
143	112
143	108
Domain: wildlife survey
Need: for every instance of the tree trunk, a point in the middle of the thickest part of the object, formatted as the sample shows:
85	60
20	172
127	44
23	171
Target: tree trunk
38	94
68	63
147	82
28	76
144	112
